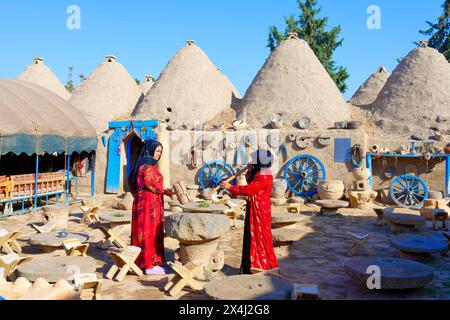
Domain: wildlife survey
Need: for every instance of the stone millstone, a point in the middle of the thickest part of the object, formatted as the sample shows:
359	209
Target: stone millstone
54	269
117	217
284	235
404	219
51	239
332	204
396	274
434	243
196	227
249	287
286	218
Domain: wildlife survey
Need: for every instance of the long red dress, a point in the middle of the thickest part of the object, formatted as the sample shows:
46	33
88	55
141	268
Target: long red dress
257	253
147	227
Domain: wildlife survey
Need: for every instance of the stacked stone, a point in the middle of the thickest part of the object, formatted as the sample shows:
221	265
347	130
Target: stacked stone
278	192
199	235
284	230
361	194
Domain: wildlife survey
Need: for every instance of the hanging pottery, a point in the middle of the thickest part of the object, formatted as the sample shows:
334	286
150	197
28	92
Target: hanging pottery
277	121
302	142
273	140
291	137
324	140
304	123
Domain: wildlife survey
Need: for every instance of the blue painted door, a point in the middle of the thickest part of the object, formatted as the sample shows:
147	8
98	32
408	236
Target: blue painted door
113	167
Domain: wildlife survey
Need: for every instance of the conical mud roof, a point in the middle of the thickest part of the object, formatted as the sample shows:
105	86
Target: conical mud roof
108	94
293	83
146	85
369	90
416	97
38	73
190	89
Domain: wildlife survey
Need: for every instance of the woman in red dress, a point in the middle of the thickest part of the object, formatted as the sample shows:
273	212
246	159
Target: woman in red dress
258	254
147	227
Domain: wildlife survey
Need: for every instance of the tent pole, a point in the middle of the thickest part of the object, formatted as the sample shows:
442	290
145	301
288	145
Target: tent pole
93	175
67	178
36	178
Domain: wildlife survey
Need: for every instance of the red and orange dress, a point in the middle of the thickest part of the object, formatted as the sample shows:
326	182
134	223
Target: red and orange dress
147	227
257	252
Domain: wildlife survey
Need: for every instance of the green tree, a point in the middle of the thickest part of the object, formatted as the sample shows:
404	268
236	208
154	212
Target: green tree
138	82
312	29
69	83
439	32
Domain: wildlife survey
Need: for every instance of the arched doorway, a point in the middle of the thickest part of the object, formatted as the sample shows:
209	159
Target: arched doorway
134	147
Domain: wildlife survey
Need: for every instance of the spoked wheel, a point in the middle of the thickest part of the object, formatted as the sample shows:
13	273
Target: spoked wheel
409	191
303	174
213	173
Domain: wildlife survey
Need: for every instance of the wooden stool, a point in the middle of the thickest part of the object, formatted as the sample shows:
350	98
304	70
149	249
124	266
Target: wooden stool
46	228
184	277
74	248
124	263
440	214
293	208
10	262
360	242
88	286
305	292
90	215
112	237
8	242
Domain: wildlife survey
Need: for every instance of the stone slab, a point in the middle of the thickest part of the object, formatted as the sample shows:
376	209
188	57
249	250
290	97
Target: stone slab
396	274
249	287
434	243
51	239
286	218
54	269
332	204
404	219
284	235
116	217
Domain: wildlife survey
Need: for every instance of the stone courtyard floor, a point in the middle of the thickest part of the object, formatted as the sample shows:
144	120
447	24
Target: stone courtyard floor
317	258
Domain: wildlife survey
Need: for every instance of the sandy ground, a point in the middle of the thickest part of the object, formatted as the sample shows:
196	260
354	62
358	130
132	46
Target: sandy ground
317	258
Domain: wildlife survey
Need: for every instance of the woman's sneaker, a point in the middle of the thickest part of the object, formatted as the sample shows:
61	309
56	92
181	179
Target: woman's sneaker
158	270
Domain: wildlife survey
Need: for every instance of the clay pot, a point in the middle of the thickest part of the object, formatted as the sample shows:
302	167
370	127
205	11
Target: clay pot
331	189
361	174
277	121
279	188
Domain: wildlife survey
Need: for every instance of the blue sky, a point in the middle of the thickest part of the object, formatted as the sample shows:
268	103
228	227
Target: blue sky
145	34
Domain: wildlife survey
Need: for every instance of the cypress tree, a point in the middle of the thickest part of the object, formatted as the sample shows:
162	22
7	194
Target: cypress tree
439	32
312	29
